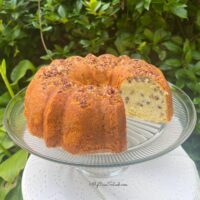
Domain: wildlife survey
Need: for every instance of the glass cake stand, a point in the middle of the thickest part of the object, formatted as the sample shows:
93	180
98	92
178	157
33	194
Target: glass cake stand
145	140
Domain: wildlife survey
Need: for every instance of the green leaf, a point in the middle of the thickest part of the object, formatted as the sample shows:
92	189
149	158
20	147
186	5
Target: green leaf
61	11
172	47
177	39
85	43
139	7
49	55
1	115
179	10
5	141
196	55
2	129
21	69
188	56
159	35
5	188
180	83
122	42
165	67
141	46
162	55
186	46
79	5
1	158
195	87
148	34
16	193
11	167
105	7
196	100
173	62
92	6
13	3
147	4
196	67
185	74
5	79
48	28
3	68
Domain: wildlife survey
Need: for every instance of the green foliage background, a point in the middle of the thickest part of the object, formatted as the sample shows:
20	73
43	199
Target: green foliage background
163	32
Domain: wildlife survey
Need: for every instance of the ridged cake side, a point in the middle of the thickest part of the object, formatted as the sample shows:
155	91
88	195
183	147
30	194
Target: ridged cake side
94	121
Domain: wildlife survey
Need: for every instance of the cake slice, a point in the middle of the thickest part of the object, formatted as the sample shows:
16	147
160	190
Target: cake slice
145	91
146	99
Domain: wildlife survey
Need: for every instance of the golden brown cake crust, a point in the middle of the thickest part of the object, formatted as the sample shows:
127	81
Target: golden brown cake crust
76	98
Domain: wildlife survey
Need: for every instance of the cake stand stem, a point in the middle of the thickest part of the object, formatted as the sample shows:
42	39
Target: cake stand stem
101	172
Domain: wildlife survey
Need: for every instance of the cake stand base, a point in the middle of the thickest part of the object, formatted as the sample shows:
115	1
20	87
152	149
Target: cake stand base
170	177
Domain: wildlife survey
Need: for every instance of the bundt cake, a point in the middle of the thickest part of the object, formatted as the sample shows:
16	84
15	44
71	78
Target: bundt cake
79	103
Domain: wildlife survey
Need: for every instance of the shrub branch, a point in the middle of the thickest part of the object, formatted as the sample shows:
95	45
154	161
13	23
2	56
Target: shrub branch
40	27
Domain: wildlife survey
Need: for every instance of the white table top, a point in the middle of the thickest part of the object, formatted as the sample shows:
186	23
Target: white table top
169	177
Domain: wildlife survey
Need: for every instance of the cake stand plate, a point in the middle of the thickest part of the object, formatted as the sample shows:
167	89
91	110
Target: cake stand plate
170	177
145	140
